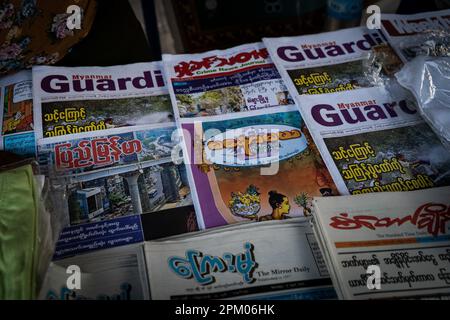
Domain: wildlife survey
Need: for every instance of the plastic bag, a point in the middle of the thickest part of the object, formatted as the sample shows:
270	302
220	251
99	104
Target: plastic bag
428	78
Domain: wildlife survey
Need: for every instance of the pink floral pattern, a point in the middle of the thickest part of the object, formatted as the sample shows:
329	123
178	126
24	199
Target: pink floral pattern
23	42
6	15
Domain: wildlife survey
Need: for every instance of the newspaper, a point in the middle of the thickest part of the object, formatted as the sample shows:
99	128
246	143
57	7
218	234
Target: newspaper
229	106
224	81
404	234
105	135
237	175
330	62
242	261
113	274
417	34
16	114
116	172
374	141
73	101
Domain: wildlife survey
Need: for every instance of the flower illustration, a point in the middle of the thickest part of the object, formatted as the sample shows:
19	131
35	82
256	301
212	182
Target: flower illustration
11	51
59	26
6	15
44	59
28	8
14	32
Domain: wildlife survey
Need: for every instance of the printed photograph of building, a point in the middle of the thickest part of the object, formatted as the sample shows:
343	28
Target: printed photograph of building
152	189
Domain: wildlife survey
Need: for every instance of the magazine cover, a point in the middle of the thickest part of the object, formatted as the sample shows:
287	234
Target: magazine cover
330	62
113	274
16	114
261	165
417	34
242	261
372	141
403	236
116	172
73	101
224	81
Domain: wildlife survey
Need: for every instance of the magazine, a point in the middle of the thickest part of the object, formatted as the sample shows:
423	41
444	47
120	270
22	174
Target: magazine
373	140
113	274
241	261
224	81
16	114
253	166
417	34
73	101
116	172
386	245
332	61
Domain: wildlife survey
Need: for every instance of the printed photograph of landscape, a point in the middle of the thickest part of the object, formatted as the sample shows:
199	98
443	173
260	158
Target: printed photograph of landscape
412	152
106	113
332	78
210	103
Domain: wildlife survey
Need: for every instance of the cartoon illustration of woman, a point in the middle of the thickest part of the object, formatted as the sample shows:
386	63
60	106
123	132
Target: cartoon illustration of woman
280	207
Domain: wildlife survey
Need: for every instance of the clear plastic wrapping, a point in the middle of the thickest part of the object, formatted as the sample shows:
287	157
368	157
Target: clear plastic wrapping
434	43
428	78
381	64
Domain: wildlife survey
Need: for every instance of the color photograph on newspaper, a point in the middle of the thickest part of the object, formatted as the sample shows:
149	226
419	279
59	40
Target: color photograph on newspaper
331	78
229	181
345	76
117	174
401	159
227	81
73	117
233	99
17	108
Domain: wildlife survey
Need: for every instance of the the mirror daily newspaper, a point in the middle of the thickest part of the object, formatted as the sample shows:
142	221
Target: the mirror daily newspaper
240	261
405	234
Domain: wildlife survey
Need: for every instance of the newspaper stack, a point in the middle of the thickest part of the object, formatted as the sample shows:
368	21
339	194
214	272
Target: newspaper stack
240	261
386	245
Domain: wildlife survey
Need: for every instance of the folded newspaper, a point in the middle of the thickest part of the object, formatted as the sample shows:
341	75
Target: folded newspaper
386	245
418	34
241	261
374	141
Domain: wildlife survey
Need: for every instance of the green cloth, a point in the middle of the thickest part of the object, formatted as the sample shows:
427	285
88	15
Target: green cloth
18	216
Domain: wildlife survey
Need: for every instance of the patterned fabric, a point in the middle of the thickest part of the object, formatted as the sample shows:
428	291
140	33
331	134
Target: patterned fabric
34	32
